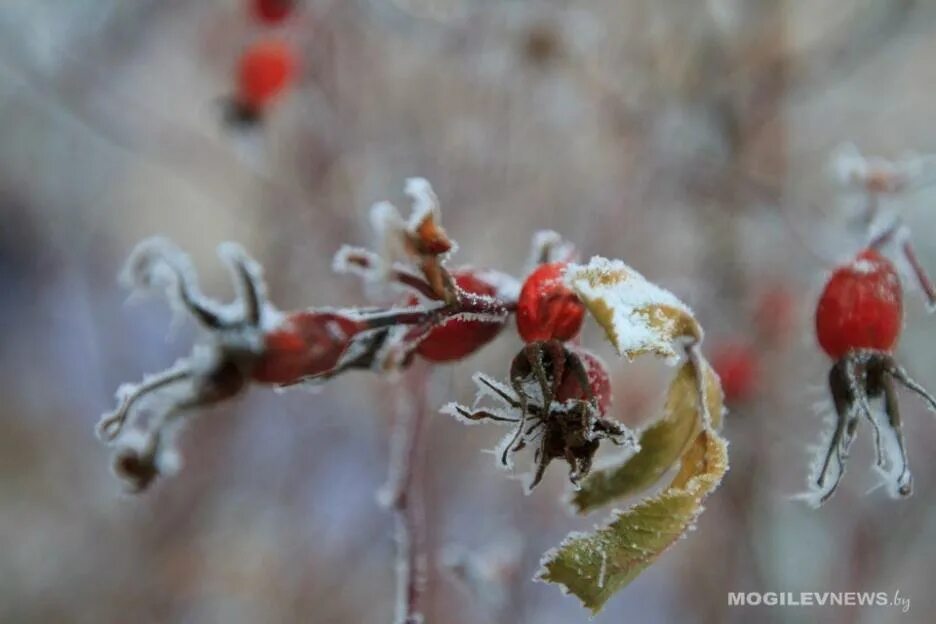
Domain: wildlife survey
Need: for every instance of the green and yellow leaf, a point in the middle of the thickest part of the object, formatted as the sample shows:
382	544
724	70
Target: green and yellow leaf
594	566
661	444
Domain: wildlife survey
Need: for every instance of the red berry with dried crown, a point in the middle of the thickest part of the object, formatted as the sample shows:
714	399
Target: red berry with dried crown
548	309
858	323
861	307
455	339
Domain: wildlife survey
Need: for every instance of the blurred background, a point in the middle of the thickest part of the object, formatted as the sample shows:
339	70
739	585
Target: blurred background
691	139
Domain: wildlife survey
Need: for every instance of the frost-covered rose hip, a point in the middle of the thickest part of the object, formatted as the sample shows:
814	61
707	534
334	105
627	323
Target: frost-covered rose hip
557	400
547	309
861	307
455	338
247	341
599	385
858	322
305	344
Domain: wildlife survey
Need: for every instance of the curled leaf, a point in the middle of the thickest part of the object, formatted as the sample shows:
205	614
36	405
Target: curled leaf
638	316
595	566
661	444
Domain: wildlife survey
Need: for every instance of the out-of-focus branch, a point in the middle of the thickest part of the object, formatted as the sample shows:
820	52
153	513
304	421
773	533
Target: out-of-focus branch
899	233
401	494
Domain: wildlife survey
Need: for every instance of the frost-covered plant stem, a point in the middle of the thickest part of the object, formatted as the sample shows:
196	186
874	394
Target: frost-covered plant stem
898	232
402	495
926	285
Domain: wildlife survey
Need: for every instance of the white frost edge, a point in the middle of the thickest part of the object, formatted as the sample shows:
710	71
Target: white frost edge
632	330
572	536
425	202
813	494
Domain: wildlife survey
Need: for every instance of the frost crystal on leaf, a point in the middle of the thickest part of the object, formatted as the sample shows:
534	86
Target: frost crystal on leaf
594	566
638	316
662	444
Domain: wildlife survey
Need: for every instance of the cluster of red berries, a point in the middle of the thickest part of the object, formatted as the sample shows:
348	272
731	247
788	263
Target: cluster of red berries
437	314
266	68
559	393
859	318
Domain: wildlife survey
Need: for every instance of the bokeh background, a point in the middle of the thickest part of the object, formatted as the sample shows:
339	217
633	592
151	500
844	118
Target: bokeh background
689	138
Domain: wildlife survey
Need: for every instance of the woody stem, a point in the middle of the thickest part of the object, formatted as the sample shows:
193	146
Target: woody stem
418	316
405	499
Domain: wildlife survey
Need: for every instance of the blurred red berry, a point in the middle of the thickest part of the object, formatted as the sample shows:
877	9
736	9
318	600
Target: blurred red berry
547	309
265	70
861	307
598	379
737	364
774	312
272	11
456	339
303	345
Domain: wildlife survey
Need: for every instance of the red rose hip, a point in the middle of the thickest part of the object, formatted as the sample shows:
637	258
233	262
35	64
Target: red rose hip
265	69
548	309
861	307
456	339
306	344
598	381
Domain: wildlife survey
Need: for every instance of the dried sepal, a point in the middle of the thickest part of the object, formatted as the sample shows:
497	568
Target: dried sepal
856	383
638	316
872	174
144	455
409	252
234	333
556	402
141	428
157	266
426	240
425	234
